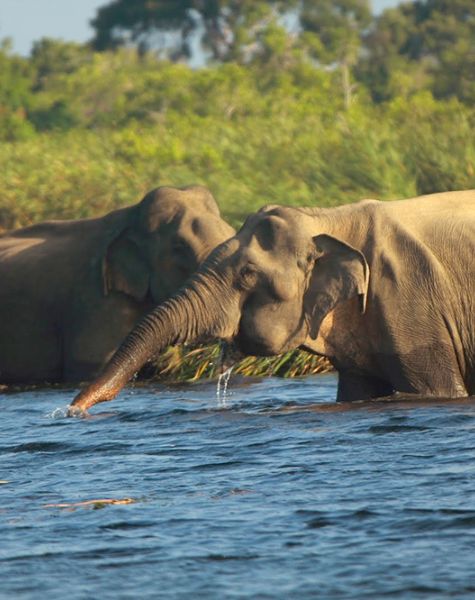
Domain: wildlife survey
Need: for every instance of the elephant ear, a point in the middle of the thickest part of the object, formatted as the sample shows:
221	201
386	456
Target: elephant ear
125	269
340	273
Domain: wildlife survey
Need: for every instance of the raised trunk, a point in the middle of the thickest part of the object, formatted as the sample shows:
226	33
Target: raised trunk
194	313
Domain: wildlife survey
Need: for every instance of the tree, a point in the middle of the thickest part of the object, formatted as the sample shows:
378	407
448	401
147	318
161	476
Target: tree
223	27
422	44
328	31
16	81
52	57
333	30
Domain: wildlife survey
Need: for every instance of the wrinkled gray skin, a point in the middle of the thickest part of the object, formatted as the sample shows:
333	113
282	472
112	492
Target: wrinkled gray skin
72	290
385	290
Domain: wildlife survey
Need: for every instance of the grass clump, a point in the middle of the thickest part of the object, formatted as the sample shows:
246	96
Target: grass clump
185	363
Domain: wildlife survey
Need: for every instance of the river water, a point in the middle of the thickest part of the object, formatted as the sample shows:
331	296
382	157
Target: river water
262	495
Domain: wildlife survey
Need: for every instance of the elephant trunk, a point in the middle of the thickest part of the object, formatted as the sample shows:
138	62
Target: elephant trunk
194	313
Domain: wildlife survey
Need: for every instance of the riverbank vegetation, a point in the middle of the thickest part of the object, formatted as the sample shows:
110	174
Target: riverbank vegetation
324	112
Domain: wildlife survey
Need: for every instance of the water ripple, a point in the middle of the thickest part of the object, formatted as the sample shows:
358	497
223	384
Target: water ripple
34	447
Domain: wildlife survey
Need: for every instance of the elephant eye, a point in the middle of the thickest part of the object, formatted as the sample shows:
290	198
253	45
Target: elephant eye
247	277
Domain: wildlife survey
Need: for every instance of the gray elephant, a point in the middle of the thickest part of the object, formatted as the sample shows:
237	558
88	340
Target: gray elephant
72	290
385	290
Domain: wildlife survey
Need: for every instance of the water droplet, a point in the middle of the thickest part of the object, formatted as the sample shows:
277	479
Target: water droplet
222	386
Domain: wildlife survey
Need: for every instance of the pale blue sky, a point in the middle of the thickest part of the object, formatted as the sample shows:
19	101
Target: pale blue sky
25	21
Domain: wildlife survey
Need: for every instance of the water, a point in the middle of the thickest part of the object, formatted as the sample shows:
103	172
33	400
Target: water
263	498
222	387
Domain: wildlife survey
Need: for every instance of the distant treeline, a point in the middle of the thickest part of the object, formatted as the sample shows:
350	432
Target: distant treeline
342	109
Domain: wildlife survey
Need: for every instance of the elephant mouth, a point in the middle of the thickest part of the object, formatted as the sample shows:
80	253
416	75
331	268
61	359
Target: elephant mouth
234	350
230	354
251	346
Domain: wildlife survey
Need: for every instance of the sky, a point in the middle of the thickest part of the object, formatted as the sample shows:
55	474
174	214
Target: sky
25	21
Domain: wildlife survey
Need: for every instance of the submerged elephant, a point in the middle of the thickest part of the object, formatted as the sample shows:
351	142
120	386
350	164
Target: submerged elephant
385	290
70	291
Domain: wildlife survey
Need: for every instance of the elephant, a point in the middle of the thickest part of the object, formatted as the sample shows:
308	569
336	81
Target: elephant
384	289
72	290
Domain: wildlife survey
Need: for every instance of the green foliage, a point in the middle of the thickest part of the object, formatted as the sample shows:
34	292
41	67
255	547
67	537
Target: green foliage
184	363
427	44
436	142
53	57
225	29
113	125
418	45
337	25
329	31
15	94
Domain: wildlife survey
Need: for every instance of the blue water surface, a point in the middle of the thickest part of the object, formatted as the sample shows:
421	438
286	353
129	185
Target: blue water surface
261	496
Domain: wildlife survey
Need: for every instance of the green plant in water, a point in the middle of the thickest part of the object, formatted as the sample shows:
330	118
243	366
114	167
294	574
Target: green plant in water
185	363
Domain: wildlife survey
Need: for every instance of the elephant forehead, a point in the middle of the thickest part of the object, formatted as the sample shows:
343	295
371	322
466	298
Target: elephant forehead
276	235
166	205
186	195
201	197
161	214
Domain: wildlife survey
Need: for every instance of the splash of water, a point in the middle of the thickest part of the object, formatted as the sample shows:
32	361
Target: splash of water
58	413
222	386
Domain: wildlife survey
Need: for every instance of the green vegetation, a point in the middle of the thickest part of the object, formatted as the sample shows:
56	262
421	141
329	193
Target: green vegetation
179	363
339	108
101	131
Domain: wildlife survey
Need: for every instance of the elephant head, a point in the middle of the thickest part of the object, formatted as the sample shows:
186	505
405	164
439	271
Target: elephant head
267	289
162	241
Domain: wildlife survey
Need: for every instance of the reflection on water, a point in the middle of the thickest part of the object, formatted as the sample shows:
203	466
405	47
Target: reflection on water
279	494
